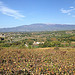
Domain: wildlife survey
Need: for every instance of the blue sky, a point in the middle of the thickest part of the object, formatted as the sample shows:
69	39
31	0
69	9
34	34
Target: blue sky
24	12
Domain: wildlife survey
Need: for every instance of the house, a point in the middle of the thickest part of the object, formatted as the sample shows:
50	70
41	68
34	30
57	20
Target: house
37	43
26	45
2	35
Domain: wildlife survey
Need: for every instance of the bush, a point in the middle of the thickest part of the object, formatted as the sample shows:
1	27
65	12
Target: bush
52	44
56	48
2	38
17	43
6	45
29	46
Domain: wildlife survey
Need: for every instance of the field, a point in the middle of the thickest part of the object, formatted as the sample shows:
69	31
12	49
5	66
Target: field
39	61
37	53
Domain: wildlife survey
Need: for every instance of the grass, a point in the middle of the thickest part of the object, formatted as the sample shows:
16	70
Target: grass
37	61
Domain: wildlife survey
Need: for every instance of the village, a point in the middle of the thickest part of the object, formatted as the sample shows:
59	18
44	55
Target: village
37	39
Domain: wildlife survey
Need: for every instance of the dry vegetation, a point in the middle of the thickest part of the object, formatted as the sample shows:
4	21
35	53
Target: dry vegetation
40	61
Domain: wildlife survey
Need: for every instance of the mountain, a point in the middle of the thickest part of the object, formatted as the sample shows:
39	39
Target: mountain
39	27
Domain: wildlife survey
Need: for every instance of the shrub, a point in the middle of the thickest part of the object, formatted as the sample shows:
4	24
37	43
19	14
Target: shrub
56	48
6	45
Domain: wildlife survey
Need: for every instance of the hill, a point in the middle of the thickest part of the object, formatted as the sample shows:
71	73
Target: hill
39	27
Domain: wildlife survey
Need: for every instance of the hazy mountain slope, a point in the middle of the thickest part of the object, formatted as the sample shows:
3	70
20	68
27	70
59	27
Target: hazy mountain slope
39	27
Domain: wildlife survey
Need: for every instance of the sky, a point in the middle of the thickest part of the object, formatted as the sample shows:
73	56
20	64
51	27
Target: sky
25	12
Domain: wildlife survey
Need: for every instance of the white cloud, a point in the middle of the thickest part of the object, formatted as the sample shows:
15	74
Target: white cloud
71	7
10	12
70	11
73	15
67	11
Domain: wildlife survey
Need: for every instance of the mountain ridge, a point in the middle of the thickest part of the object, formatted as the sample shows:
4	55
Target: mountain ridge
39	27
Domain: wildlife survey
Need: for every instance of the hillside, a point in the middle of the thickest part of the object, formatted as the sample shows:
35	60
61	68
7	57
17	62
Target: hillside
39	27
41	61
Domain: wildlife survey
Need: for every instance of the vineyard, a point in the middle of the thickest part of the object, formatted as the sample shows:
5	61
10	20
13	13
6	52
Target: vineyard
39	61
